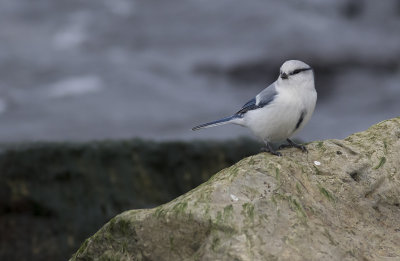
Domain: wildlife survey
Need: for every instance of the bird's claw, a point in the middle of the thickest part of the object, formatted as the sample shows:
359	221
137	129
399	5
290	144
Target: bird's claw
284	146
302	147
276	153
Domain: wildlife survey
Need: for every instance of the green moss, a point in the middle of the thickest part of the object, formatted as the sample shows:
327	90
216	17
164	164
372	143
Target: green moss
248	211
381	163
317	170
171	243
385	146
218	225
124	247
207	210
159	212
229	230
310	209
298	188
320	145
197	256
124	227
299	209
228	212
215	243
233	172
277	175
107	256
119	226
206	191
351	252
273	199
180	208
330	238
251	192
107	236
264	217
251	161
82	248
326	193
271	257
295	206
218	219
112	223
279	196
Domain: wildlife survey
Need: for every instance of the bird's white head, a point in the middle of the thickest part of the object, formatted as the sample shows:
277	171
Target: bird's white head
295	72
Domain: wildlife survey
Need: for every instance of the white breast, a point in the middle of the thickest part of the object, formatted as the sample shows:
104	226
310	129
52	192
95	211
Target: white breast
277	121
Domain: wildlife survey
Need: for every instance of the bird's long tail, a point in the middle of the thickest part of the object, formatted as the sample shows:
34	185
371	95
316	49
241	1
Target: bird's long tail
223	121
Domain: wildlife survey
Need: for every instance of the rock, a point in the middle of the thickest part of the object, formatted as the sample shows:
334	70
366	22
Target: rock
54	195
341	201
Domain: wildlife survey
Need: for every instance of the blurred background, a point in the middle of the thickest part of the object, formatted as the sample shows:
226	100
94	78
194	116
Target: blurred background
77	71
95	69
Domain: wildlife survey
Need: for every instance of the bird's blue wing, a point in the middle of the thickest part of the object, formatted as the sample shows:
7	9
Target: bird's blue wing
267	95
264	98
250	105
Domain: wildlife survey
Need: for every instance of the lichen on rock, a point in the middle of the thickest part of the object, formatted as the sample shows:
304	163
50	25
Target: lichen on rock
346	207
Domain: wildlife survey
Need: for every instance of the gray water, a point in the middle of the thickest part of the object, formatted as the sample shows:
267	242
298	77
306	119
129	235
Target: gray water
101	69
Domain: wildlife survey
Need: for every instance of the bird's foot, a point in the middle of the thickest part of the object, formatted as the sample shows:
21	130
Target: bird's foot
270	150
293	145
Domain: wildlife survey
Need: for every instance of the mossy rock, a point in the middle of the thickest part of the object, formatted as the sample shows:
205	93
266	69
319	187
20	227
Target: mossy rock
340	201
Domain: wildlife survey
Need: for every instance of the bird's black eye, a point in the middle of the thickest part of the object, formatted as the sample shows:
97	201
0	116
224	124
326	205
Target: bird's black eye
296	71
300	70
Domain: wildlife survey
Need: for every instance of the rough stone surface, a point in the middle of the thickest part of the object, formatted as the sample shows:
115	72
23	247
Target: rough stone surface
341	201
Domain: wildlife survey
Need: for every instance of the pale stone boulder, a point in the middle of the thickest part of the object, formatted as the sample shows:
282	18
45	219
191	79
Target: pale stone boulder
340	201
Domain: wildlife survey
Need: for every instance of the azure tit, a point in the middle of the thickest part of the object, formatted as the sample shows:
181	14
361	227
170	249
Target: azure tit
280	110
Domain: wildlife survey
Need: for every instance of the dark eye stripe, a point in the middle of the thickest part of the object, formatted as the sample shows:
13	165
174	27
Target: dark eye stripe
300	70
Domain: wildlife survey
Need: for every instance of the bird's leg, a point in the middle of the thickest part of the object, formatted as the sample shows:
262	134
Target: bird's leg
268	148
293	144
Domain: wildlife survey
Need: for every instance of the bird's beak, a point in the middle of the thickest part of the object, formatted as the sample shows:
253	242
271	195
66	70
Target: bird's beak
284	76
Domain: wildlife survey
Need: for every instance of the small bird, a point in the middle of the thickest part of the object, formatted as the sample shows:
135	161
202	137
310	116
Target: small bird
280	110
